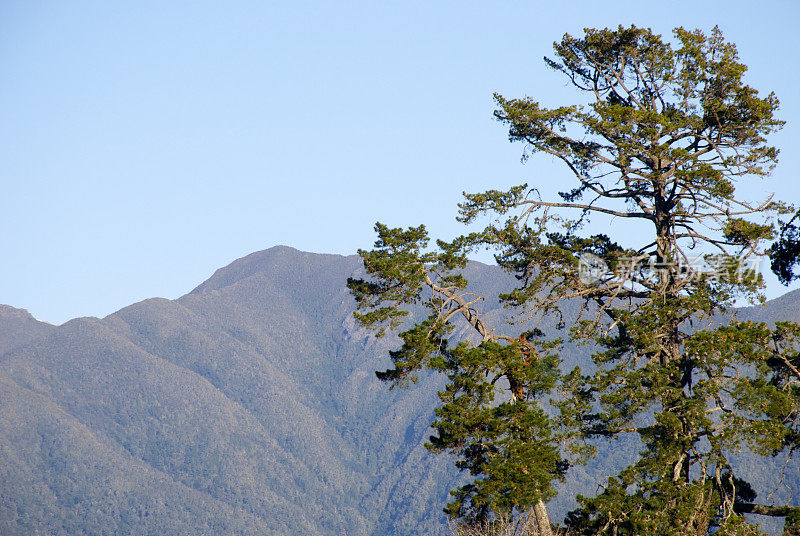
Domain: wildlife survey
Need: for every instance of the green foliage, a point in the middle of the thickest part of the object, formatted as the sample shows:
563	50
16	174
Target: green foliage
507	443
785	252
667	133
490	415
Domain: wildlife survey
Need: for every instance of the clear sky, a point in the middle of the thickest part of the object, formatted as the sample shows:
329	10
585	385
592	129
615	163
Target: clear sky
144	144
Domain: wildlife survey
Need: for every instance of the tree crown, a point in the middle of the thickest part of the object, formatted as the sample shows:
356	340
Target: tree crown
665	136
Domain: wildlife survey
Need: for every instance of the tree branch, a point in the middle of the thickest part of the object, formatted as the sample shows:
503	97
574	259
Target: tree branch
764	510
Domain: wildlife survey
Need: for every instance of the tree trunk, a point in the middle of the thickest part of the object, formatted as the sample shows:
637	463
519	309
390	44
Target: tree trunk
543	527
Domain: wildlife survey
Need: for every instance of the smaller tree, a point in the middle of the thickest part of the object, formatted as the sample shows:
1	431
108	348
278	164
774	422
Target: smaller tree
785	252
490	414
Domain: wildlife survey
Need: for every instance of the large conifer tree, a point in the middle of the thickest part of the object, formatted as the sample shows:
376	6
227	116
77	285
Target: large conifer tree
662	137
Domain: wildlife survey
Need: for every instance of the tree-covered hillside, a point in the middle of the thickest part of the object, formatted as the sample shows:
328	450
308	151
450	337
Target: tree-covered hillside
248	406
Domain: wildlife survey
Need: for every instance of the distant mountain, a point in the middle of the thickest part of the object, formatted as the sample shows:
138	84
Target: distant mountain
248	406
18	327
786	307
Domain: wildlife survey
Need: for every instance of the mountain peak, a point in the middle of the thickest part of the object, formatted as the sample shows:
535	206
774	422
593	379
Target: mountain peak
19	327
274	261
8	312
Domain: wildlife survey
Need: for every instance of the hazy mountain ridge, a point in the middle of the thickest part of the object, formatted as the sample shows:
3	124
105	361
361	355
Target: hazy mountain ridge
248	406
18	327
231	394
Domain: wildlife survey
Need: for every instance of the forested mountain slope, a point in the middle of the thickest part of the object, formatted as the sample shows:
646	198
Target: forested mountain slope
248	406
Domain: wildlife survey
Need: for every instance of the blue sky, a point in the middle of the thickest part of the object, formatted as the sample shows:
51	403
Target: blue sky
145	144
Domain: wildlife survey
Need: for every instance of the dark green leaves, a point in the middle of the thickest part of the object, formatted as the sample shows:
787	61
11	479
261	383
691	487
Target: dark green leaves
661	136
785	252
398	262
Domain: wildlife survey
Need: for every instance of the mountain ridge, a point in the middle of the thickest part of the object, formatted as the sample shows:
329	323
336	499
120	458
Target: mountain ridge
19	327
140	379
247	406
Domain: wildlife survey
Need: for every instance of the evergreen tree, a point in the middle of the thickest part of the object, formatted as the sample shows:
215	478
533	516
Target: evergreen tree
785	252
664	139
490	414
